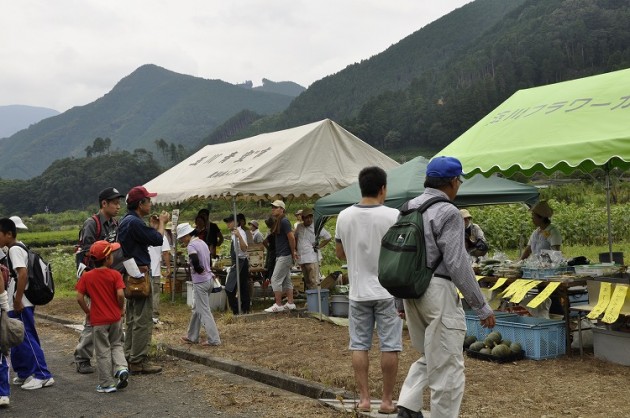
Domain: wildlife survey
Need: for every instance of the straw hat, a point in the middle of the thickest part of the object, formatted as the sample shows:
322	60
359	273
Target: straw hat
465	214
542	209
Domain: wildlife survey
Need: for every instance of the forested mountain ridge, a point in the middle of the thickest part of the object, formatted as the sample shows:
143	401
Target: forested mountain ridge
538	43
288	88
151	103
74	183
341	95
534	43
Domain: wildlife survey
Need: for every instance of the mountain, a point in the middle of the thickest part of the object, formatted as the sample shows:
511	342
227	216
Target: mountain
341	95
151	103
14	118
537	43
429	88
288	88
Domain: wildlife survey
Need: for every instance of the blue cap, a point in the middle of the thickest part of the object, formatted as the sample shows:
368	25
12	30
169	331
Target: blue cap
446	167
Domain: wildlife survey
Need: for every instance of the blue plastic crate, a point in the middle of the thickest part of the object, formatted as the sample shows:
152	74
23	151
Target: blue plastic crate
473	325
540	338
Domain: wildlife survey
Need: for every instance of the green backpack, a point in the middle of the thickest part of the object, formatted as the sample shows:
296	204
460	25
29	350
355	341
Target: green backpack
402	263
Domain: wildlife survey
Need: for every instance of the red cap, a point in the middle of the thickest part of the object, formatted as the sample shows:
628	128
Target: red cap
138	193
102	249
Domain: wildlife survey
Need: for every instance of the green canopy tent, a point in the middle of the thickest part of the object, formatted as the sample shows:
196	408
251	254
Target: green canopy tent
407	181
574	125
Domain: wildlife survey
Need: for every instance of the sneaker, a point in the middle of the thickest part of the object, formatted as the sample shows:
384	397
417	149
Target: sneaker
275	308
84	367
144	368
408	413
36	383
19	380
123	378
4	401
105	389
289	306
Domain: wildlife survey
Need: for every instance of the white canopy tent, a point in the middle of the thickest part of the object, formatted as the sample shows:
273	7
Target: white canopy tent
310	160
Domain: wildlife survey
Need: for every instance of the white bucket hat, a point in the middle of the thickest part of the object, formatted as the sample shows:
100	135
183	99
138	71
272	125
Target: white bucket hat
184	229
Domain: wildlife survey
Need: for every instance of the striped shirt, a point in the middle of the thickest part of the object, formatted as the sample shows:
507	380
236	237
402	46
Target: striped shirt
444	234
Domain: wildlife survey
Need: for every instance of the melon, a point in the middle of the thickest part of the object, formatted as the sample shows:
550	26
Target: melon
501	351
495	336
469	340
516	348
489	342
485	350
476	346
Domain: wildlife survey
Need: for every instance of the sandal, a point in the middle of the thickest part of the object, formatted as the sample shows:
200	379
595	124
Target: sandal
362	408
393	410
188	340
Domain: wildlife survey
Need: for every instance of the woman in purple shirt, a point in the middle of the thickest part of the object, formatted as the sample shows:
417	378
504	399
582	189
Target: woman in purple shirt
203	283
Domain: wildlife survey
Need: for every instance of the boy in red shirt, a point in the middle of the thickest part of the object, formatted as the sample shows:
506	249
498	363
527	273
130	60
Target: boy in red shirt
105	287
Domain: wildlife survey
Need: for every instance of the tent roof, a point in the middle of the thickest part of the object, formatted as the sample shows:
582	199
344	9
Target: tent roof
310	160
579	124
406	182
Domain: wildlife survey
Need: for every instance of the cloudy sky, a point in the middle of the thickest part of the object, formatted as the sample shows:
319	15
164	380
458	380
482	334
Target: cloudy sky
65	53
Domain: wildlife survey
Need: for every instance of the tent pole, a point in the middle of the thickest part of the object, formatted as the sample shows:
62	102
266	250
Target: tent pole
236	245
318	281
173	278
174	274
608	213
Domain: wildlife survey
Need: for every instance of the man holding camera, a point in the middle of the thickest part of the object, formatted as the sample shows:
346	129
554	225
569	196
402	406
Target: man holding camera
308	247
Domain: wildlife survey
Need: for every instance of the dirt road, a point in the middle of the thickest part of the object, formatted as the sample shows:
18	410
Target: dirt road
183	389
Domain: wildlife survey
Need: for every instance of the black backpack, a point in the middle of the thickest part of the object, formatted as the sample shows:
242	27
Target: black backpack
41	287
402	263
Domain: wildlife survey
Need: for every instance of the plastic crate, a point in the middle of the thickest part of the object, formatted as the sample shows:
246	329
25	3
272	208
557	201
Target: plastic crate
537	273
596	270
540	338
489	357
473	325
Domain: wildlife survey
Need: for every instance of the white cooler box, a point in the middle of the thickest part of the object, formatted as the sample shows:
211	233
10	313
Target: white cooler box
218	300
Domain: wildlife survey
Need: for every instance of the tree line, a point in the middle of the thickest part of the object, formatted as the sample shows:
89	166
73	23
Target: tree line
74	183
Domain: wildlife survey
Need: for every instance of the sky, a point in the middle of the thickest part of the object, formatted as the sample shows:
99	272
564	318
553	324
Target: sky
65	53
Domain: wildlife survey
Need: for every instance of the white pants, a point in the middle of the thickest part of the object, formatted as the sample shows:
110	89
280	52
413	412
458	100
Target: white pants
437	327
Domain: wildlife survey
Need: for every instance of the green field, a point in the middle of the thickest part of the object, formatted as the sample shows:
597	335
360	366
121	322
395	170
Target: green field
579	213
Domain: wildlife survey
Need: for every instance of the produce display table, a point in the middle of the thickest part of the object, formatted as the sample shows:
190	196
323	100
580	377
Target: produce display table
562	290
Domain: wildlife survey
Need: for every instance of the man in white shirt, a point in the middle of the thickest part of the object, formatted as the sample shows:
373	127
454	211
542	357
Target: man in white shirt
308	247
360	229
